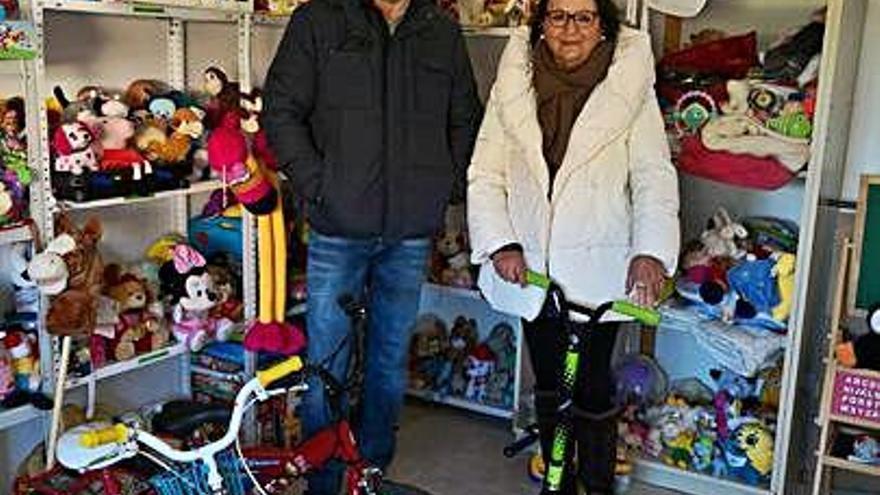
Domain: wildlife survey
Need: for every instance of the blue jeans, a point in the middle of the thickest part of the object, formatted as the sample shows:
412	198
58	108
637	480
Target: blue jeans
389	278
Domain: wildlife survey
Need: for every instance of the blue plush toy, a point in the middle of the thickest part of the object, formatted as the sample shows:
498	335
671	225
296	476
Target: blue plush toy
749	453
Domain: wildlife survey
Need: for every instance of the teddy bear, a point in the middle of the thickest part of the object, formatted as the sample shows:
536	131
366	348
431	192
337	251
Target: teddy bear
229	304
139	326
452	265
462	341
427	355
193	296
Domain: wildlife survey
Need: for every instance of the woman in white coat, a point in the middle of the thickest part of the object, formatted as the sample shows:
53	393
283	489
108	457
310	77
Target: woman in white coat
571	176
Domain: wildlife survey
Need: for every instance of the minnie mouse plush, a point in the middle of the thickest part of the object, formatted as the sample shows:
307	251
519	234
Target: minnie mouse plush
186	280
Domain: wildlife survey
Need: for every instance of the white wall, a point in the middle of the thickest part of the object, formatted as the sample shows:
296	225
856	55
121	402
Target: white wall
864	142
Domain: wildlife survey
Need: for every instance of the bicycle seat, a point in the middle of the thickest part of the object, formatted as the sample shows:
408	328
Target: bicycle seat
179	418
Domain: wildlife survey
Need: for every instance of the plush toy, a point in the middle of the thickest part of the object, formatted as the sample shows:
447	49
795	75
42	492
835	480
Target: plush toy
74	310
784	273
229	304
721	239
752	279
7	377
252	108
224	96
749	453
769	386
139	92
427	354
192	293
139	326
462	341
74	145
47	270
255	187
186	126
863	351
14	278
502	343
22	349
866	450
731	391
479	367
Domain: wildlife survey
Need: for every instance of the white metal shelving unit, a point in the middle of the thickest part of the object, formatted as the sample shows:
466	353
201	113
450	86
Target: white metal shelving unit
801	198
176	15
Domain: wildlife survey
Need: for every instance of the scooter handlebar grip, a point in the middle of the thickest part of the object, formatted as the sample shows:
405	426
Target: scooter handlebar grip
647	316
280	370
117	433
537	279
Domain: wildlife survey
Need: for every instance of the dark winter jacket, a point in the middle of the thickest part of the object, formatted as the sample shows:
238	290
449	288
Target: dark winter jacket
375	130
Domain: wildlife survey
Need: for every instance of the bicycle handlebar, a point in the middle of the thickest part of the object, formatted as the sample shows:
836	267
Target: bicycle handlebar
647	316
280	370
117	433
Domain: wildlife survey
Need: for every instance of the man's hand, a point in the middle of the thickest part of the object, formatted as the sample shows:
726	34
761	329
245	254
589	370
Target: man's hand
644	282
510	265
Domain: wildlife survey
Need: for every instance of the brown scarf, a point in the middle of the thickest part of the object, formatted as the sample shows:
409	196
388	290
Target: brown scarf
561	96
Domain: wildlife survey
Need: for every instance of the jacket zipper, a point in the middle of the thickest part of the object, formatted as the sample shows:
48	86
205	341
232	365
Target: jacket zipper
387	39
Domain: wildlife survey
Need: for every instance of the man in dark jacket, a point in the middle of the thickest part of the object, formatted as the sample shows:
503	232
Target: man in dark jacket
371	108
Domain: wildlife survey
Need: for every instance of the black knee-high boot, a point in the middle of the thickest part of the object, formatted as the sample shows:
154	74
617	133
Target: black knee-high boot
546	409
596	437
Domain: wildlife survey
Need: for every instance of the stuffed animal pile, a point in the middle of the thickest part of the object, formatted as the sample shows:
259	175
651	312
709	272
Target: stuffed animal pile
742	273
147	138
723	427
453	362
116	312
740	118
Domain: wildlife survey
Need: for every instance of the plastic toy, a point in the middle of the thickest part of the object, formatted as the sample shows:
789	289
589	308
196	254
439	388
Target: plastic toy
639	381
692	110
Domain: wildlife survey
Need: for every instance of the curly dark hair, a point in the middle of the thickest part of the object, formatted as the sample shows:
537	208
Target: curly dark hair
609	19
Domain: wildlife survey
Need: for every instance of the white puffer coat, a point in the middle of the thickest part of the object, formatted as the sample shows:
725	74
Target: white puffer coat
615	195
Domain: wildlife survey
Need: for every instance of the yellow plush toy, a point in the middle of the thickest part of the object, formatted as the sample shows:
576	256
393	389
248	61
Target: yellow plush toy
784	271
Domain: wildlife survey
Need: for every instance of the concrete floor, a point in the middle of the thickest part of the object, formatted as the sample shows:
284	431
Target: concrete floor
450	452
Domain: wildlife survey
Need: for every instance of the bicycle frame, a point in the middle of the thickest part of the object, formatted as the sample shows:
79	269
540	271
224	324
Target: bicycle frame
87	448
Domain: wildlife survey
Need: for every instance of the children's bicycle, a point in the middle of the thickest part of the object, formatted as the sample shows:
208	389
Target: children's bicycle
221	466
560	458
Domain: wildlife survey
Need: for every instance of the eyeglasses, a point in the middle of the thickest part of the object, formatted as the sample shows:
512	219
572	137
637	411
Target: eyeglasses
581	18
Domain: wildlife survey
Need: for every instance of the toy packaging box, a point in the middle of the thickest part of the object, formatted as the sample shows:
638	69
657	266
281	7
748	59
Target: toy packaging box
17	40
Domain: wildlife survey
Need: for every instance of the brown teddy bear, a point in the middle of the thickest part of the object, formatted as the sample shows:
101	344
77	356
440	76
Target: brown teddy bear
140	327
427	354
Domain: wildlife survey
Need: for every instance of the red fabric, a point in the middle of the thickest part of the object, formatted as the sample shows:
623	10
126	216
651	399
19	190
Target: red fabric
121	159
736	169
274	337
227	144
730	58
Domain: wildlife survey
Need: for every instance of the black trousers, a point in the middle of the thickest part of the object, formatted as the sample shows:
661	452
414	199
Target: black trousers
547	341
